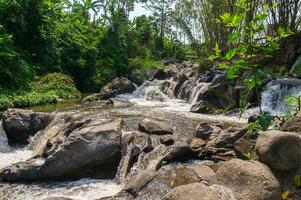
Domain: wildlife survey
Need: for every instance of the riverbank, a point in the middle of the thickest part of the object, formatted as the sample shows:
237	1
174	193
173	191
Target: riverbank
50	89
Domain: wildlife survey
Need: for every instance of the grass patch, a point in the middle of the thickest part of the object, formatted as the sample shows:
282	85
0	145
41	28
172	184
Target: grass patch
49	89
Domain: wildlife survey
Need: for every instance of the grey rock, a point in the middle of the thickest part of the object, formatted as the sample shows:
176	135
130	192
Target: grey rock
279	150
19	124
91	150
249	180
155	127
197	191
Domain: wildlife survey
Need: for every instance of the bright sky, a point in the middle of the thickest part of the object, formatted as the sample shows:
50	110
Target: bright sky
139	10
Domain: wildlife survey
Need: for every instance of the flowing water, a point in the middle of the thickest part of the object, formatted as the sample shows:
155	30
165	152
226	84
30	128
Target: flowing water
273	97
148	101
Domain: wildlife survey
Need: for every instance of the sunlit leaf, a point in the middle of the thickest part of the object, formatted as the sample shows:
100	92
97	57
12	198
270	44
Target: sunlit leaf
230	54
297	181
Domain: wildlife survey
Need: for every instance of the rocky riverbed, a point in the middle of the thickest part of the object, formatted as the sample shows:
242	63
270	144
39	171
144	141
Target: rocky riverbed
157	141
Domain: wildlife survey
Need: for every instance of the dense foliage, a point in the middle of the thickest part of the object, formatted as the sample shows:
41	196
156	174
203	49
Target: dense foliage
93	41
52	88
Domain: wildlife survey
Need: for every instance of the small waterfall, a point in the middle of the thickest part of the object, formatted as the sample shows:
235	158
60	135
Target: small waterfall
140	91
150	91
272	98
3	140
199	89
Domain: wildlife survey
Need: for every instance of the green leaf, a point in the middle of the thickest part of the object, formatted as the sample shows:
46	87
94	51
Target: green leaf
250	83
224	66
297	181
233	37
230	54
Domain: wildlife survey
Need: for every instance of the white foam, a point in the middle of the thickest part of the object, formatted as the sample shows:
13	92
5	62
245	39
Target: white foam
83	189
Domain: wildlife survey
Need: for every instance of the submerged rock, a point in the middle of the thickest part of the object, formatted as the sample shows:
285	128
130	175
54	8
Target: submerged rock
248	180
89	149
279	150
20	125
152	126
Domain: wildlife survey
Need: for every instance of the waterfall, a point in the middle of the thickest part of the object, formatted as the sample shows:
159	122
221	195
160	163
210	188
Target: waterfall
272	98
199	89
3	140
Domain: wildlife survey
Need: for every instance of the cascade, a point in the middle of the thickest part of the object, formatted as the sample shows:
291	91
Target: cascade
3	140
272	98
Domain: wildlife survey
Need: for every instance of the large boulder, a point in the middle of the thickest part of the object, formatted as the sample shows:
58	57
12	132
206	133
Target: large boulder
90	149
279	150
112	89
150	184
214	96
249	180
197	191
116	87
19	124
152	126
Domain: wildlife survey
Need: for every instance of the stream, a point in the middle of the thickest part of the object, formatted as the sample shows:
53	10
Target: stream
147	101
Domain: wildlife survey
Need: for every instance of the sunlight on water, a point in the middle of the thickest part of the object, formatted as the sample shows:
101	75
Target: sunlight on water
84	189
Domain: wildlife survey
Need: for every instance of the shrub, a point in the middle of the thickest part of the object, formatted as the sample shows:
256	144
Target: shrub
49	89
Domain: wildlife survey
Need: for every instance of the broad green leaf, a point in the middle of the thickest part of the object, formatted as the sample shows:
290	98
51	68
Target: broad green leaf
224	66
250	83
230	54
233	37
297	181
285	194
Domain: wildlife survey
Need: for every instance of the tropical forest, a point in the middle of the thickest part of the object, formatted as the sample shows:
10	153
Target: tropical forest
150	99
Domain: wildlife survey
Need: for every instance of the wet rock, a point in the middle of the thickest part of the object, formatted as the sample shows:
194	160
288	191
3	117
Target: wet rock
204	130
167	140
91	150
155	127
279	150
156	73
112	89
19	124
248	180
120	196
214	96
154	185
221	89
197	191
160	156
204	106
93	98
197	143
154	94
119	103
132	146
228	137
136	77
116	87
